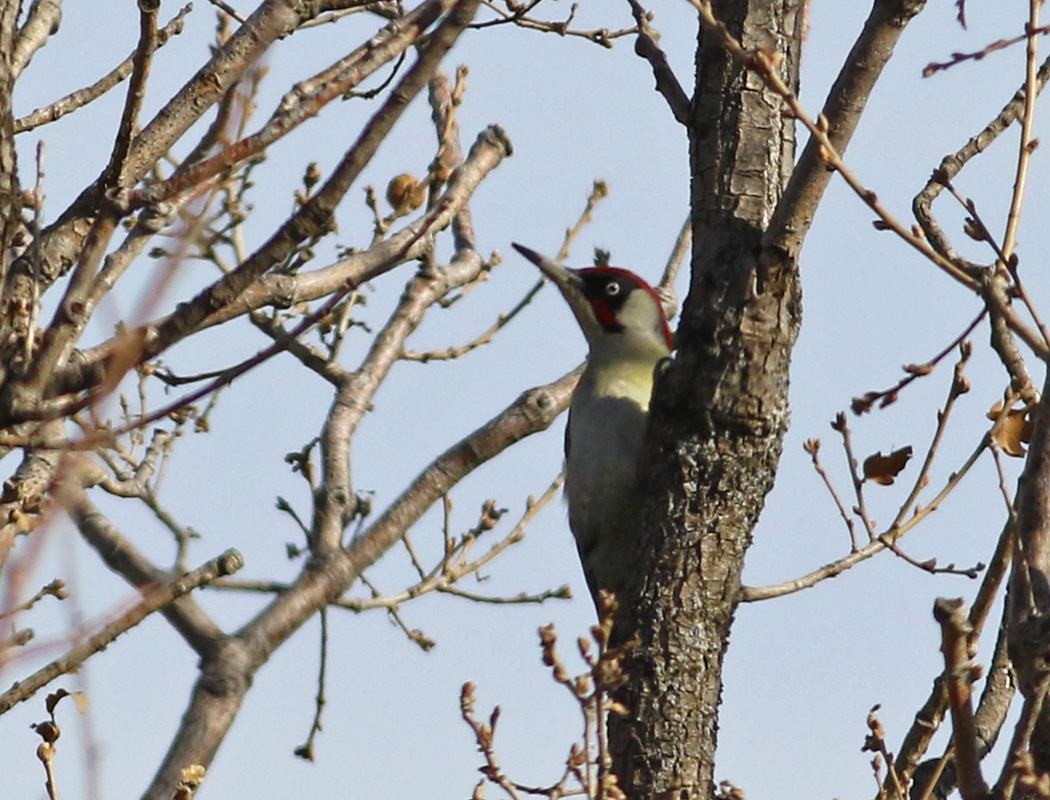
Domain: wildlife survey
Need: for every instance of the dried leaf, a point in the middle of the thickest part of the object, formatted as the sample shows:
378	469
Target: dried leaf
53	699
883	469
405	193
1012	430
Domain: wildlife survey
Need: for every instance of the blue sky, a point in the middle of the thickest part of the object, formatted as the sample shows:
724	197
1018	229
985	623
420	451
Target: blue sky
801	671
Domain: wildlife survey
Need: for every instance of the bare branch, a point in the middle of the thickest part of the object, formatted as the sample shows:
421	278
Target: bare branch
852	465
647	46
56	589
483	733
121	556
1027	145
485	337
129	120
315	215
763	64
272	20
208	715
960	385
41	23
960	673
958	58
306	749
598	192
515	14
930	716
683	246
365	60
812	446
951	165
489	150
1020	764
864	403
81	97
153	600
10	191
534	410
750	594
842	111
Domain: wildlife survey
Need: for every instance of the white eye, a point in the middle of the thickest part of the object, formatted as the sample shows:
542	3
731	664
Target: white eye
612	289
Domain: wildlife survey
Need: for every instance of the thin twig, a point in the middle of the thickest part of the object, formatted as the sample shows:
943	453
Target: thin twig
153	600
960	385
599	191
959	673
56	589
1027	145
765	66
647	46
443	578
306	749
999	44
860	509
482	339
141	61
978	230
864	403
601	36
749	594
1018	755
81	97
812	446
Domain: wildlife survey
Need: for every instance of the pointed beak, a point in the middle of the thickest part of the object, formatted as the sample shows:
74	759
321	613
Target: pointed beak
569	284
562	276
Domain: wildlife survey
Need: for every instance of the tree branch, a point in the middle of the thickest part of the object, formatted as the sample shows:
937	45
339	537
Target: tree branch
89	368
153	600
81	97
647	46
231	667
842	111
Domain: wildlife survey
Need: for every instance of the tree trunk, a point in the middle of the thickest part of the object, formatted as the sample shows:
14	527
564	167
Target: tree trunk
719	413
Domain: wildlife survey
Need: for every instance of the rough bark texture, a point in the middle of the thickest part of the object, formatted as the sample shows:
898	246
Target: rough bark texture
10	193
1028	600
719	414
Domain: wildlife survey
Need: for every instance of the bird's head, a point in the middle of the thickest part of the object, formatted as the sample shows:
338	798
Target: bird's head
617	310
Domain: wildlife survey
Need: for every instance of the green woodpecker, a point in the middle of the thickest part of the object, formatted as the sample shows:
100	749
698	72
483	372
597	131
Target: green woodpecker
627	332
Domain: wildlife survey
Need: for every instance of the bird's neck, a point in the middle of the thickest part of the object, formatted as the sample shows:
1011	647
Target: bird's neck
621	374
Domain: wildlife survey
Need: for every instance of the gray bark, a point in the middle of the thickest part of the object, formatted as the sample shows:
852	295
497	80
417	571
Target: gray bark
719	414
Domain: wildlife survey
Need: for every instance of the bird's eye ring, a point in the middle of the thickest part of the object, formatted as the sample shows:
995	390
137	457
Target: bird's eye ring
612	288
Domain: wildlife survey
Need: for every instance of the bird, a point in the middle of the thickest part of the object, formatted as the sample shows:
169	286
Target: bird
628	336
